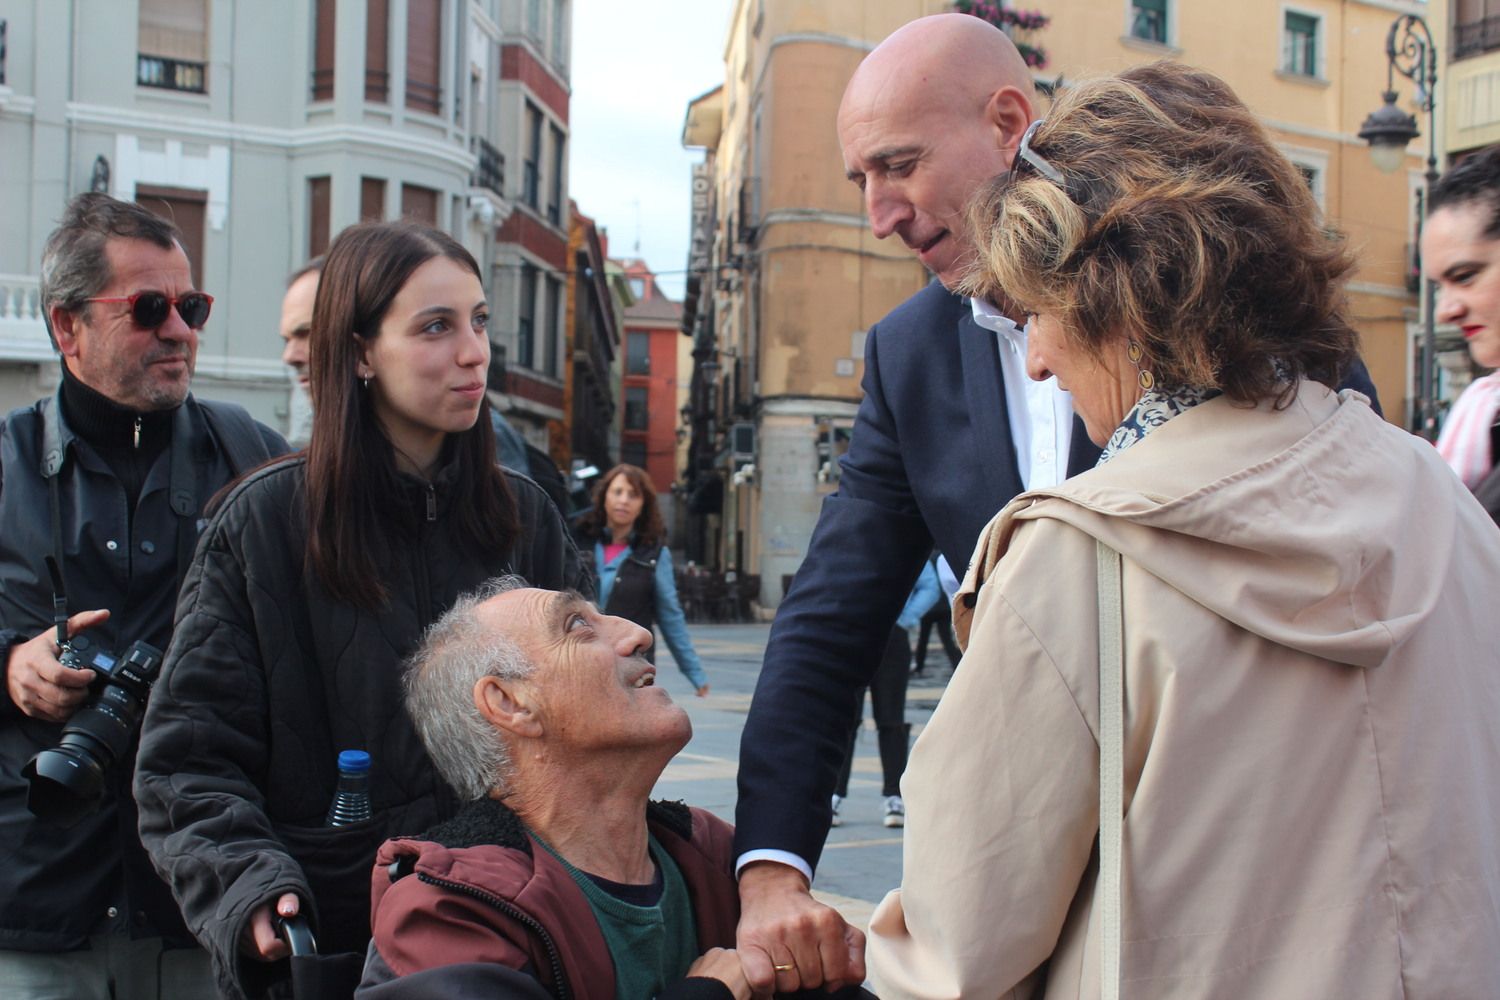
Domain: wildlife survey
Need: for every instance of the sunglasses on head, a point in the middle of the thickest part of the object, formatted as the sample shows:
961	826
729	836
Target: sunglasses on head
148	310
1027	156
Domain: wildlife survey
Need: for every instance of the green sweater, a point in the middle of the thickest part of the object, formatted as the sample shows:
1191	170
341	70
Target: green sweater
650	946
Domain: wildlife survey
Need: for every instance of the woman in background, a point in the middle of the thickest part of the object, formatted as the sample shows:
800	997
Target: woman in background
1461	252
634	566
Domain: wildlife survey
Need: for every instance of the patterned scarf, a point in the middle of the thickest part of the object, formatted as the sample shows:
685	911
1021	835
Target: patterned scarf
1155	407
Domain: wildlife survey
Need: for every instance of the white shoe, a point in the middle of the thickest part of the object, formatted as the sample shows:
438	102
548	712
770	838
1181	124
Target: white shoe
895	811
836	800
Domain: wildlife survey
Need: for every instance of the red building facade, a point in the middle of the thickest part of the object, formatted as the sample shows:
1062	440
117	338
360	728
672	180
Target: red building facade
650	393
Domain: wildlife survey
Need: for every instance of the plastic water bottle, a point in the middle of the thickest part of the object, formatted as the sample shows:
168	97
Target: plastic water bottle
351	802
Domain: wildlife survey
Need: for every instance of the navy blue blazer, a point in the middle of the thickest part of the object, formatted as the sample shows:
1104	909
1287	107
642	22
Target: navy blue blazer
930	462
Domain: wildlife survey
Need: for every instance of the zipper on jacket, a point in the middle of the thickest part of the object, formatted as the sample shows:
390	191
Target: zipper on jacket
431	495
137	433
521	917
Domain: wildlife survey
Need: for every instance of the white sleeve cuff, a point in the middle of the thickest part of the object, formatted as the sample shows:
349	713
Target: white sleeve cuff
780	857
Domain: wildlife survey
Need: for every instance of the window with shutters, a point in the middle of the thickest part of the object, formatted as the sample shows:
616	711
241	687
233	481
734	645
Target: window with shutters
526	318
172	45
531	168
323	38
185	208
319	214
1299	43
637	353
1148	20
424	55
559	34
378	51
419	204
1476	27
371	199
637	408
550	332
555	188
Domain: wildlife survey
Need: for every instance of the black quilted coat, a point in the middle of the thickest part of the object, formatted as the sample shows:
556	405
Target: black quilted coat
268	678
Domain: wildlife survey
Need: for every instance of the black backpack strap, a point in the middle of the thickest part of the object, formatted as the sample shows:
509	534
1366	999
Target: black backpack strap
244	447
237	433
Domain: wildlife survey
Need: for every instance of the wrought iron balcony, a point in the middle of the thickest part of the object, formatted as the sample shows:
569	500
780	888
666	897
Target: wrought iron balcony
170	74
1476	37
489	172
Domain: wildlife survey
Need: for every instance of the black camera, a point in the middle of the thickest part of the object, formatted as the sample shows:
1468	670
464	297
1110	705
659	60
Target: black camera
67	780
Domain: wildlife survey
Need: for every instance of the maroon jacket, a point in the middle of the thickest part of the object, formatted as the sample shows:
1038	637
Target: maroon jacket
480	908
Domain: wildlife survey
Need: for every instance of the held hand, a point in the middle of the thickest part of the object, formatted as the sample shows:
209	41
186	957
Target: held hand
789	941
38	684
722	964
701	692
259	939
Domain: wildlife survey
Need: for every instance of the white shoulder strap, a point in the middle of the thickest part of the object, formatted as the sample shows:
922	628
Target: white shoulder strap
1111	768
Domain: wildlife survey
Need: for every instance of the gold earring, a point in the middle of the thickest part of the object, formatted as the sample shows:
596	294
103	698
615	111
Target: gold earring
1136	353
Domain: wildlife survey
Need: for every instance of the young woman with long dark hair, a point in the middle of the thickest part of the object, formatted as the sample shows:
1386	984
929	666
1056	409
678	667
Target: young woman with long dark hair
313	580
634	565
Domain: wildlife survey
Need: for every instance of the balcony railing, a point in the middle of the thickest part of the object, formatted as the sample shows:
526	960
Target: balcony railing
489	172
23	332
170	74
1476	37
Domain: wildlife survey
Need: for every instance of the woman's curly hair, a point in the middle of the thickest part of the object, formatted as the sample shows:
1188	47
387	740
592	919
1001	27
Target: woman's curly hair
1178	224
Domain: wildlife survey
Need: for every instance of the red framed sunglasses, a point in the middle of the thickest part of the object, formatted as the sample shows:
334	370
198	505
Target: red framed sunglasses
148	310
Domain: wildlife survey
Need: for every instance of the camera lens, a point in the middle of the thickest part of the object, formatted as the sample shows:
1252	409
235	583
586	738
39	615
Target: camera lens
64	785
67	781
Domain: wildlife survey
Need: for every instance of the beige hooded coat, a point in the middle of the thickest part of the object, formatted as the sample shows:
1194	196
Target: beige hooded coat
1312	728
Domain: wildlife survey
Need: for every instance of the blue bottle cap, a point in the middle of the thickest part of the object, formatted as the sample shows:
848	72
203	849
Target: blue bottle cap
354	760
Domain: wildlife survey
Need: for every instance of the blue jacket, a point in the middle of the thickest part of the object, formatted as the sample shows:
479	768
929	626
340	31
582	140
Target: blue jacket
923	596
669	616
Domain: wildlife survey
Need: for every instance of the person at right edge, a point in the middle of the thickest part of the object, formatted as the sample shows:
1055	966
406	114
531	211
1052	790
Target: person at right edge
1461	252
949	430
1308	778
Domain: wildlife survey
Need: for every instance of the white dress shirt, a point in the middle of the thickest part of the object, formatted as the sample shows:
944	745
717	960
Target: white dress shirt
1041	414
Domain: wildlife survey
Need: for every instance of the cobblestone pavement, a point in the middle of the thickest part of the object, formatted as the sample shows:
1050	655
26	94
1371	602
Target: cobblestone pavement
862	859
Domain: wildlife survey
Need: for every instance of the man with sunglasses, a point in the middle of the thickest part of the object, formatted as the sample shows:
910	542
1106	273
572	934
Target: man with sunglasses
949	431
108	478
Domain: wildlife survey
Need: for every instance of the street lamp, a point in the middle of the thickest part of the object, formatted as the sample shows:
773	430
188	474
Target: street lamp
1410	51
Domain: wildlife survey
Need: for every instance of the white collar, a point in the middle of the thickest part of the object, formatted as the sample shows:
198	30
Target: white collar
990	318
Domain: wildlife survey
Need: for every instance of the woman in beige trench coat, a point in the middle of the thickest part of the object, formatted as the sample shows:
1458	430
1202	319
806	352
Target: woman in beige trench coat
1311	723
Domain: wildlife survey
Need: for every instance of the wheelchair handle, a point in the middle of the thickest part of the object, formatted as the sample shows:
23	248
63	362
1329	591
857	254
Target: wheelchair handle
297	933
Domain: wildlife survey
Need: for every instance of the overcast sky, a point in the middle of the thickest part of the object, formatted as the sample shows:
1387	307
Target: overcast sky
634	69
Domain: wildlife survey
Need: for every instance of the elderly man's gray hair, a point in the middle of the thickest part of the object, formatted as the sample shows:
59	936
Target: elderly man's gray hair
455	653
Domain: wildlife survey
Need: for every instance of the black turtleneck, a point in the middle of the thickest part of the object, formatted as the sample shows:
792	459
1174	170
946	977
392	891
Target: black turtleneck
128	441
